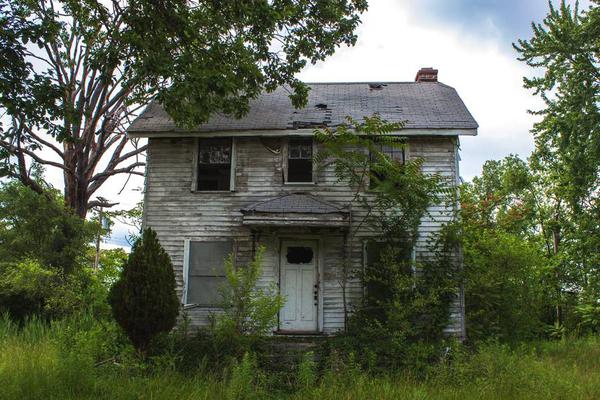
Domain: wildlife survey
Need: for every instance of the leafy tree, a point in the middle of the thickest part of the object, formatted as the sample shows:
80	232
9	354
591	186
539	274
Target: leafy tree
406	306
393	206
110	264
74	73
566	49
40	227
144	301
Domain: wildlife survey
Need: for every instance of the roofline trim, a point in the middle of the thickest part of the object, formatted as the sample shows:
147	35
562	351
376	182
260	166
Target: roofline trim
293	132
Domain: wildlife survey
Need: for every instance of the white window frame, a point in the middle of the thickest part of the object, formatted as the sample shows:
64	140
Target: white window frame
186	269
285	157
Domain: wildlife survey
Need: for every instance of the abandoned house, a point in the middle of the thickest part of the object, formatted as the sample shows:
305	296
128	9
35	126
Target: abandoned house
233	184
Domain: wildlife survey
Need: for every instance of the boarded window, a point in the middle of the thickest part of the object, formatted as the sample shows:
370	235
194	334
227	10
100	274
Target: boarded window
206	272
394	152
300	164
214	164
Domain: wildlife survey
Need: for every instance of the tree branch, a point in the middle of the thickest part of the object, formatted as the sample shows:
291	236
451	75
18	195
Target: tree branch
18	150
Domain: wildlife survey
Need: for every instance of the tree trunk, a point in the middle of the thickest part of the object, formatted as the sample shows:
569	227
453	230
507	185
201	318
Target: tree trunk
555	241
76	183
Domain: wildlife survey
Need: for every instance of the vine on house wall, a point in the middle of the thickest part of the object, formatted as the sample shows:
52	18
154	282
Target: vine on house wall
405	301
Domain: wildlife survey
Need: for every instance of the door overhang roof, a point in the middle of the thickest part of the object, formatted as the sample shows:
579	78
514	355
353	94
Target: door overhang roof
296	209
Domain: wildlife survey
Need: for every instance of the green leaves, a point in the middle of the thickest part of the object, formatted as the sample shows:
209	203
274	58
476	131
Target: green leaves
248	309
98	63
567	50
406	304
219	55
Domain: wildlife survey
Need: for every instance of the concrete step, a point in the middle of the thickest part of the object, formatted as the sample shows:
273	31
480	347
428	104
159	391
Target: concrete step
286	353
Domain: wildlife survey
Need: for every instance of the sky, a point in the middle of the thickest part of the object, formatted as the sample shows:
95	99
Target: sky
468	41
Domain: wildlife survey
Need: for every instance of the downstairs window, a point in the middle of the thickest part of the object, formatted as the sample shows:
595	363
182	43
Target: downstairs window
206	272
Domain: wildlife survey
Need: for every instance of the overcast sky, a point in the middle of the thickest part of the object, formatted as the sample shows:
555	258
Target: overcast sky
469	41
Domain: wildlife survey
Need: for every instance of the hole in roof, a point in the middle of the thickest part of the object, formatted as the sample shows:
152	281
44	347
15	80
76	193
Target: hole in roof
376	86
321	106
299	255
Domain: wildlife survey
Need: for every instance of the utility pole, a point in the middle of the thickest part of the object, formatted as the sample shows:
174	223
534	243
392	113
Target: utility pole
102	201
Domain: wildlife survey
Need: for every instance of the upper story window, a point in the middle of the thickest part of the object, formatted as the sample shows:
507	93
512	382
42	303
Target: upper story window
395	153
300	160
214	164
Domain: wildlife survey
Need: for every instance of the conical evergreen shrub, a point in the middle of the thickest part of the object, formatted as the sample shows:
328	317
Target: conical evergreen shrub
144	301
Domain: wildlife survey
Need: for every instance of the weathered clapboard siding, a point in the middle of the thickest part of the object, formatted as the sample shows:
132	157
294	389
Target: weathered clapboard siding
178	214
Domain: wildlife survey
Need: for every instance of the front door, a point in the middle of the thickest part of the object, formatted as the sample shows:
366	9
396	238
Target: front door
299	286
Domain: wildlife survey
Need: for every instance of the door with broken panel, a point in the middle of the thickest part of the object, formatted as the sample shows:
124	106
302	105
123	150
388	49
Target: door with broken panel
299	286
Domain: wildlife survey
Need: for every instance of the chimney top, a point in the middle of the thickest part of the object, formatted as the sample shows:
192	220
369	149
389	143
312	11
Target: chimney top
427	75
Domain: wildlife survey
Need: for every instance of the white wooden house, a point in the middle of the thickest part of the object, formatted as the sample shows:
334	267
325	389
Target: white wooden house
232	184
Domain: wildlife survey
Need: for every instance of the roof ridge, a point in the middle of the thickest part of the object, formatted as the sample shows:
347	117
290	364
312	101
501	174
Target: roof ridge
367	82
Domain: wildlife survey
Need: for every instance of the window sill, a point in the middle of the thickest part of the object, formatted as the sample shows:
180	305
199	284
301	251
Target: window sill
299	183
204	306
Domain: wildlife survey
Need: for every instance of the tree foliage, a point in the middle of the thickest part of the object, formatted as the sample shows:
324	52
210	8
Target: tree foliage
507	261
44	269
406	306
40	227
143	300
74	73
565	48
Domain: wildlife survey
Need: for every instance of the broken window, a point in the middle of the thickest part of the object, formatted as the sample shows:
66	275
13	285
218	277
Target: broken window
214	164
299	255
206	272
300	164
395	152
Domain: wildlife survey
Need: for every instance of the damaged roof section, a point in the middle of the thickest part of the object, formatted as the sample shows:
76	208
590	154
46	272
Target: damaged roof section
421	105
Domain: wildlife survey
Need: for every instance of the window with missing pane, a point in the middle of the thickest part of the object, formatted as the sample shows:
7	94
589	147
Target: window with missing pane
300	164
214	164
395	152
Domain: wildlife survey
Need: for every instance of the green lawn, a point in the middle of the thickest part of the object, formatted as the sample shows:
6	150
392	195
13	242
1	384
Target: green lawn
36	364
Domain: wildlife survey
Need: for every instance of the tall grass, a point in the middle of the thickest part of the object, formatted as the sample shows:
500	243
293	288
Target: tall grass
76	360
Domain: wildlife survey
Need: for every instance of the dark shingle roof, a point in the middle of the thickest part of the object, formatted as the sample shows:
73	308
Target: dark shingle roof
295	203
422	105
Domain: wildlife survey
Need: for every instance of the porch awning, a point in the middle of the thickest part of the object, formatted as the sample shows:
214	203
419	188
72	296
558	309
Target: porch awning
296	209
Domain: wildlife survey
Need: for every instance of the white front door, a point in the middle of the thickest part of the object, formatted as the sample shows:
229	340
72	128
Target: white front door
299	286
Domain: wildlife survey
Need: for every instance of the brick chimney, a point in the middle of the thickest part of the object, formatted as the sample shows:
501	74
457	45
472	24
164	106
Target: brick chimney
427	75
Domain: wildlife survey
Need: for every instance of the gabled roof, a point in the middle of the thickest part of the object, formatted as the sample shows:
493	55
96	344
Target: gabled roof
295	203
421	105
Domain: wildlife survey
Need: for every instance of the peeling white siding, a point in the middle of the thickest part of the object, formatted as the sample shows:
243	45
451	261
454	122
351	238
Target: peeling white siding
178	214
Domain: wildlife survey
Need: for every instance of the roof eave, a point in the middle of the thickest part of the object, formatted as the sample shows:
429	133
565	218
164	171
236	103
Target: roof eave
295	132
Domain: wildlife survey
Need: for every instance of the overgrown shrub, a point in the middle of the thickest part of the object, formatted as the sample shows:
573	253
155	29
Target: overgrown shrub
248	309
28	288
144	301
40	227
